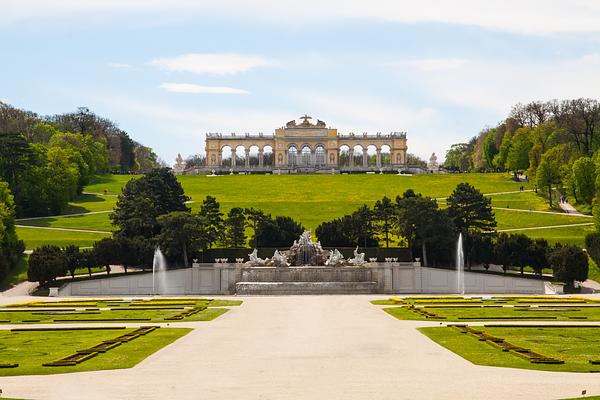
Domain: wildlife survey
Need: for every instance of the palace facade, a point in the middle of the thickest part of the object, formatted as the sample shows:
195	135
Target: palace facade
306	147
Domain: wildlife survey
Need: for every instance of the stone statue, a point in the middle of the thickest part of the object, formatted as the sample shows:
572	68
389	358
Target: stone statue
433	166
321	124
279	260
359	258
336	259
179	165
255	261
291	124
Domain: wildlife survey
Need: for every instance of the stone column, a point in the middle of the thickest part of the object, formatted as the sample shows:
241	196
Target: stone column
260	158
233	158
365	158
378	158
247	159
351	156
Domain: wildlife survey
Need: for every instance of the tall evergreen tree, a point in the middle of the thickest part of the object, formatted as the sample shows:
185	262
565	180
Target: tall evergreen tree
211	214
235	228
470	211
254	219
384	212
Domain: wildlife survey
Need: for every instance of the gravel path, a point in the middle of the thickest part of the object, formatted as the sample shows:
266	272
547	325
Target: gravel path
305	347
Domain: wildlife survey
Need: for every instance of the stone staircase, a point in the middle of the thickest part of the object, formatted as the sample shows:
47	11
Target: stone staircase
291	288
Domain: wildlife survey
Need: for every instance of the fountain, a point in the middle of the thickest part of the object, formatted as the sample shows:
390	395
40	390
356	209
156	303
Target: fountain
159	276
460	266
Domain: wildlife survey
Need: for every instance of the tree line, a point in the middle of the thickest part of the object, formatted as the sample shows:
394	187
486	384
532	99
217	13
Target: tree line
47	161
153	211
555	143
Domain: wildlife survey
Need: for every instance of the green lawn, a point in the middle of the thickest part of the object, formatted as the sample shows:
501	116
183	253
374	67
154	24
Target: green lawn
570	234
515	219
94	222
118	311
573	345
310	199
38	237
31	349
460	309
89	203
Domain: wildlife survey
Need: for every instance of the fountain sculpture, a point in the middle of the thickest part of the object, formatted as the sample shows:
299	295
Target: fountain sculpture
306	252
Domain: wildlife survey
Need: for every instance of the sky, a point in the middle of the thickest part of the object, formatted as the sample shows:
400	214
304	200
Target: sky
169	71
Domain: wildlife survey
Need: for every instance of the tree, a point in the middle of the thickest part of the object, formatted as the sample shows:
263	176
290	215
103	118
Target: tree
73	258
235	228
417	219
335	233
181	231
45	264
384	212
361	227
254	219
11	248
278	232
569	264
483	249
458	157
144	199
15	155
88	260
213	220
584	179
538	255
471	214
518	154
470	211
489	150
106	252
592	245
553	169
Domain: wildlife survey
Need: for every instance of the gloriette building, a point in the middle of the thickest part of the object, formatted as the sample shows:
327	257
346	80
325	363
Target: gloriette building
305	147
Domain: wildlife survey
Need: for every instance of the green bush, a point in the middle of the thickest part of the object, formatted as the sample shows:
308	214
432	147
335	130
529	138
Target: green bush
46	263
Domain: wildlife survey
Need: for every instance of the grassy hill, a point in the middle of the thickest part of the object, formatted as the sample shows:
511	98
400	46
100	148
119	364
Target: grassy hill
311	199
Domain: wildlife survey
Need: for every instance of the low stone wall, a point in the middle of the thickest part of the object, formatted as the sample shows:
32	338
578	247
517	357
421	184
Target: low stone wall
206	279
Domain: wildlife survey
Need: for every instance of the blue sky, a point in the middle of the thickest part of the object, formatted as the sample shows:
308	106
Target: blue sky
170	71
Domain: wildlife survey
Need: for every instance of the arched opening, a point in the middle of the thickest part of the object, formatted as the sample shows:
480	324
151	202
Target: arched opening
268	156
320	155
240	156
306	155
344	156
254	154
226	156
358	159
292	156
386	155
372	155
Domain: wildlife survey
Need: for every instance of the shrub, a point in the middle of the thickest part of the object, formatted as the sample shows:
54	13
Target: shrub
569	264
46	263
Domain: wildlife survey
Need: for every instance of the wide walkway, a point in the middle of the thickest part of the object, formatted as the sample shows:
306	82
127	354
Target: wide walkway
305	347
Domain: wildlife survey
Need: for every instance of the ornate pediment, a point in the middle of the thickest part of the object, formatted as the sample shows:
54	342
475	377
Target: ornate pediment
305	123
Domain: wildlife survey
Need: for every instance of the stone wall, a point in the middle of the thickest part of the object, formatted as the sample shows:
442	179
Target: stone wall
207	279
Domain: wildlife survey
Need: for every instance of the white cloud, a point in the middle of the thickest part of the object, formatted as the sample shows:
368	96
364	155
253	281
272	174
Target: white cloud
118	65
524	16
193	88
430	64
496	85
219	64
